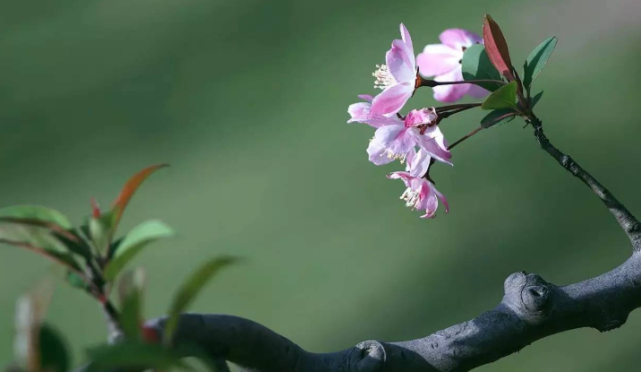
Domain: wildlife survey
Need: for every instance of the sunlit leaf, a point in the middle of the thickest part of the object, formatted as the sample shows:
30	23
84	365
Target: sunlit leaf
504	97
128	191
496	47
477	66
190	289
37	213
54	353
133	243
537	60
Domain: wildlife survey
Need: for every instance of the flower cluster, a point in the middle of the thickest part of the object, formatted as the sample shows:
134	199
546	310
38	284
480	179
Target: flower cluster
416	137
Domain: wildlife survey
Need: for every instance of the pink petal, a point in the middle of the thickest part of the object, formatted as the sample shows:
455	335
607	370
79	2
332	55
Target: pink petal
435	149
419	163
400	62
419	117
406	177
451	93
366	97
438	59
392	99
443	199
359	112
477	92
378	153
458	38
405	34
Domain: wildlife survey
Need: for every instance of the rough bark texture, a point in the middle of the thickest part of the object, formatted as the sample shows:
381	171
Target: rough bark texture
531	309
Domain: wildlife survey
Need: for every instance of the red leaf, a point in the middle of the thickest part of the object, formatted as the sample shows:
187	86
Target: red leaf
128	191
496	47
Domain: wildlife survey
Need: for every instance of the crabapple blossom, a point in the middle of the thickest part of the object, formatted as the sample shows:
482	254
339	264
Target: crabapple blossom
444	62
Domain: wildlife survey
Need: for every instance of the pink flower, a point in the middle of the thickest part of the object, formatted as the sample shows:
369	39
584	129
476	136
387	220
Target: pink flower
444	62
420	194
397	78
395	138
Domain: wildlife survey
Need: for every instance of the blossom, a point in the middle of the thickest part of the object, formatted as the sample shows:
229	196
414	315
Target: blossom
444	62
395	137
397	77
420	193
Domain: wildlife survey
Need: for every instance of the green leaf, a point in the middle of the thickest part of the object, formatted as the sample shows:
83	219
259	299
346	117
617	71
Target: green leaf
54	353
131	289
476	65
500	116
134	355
76	281
38	213
504	97
537	60
536	99
133	243
190	289
100	232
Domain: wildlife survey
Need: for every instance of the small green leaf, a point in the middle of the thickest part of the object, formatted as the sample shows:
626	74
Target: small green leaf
500	116
536	99
537	60
76	281
133	243
476	65
38	213
54	353
190	289
133	354
131	289
504	97
100	230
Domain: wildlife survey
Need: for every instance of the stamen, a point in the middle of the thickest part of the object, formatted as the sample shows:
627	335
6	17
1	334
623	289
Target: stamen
411	198
391	155
383	77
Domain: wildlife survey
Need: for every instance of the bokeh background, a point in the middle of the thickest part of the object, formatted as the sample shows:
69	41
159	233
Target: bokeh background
247	100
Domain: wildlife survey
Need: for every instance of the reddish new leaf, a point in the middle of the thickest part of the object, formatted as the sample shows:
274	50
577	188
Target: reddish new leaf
128	191
496	47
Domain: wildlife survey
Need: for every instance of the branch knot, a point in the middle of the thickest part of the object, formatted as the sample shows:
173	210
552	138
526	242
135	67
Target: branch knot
527	295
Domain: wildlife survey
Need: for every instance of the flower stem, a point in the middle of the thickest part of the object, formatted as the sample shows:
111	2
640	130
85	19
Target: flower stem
464	138
422	82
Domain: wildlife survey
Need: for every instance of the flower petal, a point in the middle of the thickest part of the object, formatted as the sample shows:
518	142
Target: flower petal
405	34
359	112
400	62
392	99
459	38
418	117
419	164
438	59
434	147
377	153
443	199
366	97
451	93
477	92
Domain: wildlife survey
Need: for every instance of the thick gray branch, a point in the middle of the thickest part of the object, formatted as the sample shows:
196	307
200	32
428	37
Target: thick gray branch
530	310
626	220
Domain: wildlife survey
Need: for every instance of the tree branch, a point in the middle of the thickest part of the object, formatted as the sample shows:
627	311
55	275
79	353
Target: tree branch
626	220
531	309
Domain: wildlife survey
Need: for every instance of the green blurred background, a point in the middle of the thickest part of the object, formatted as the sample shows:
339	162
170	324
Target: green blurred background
247	100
